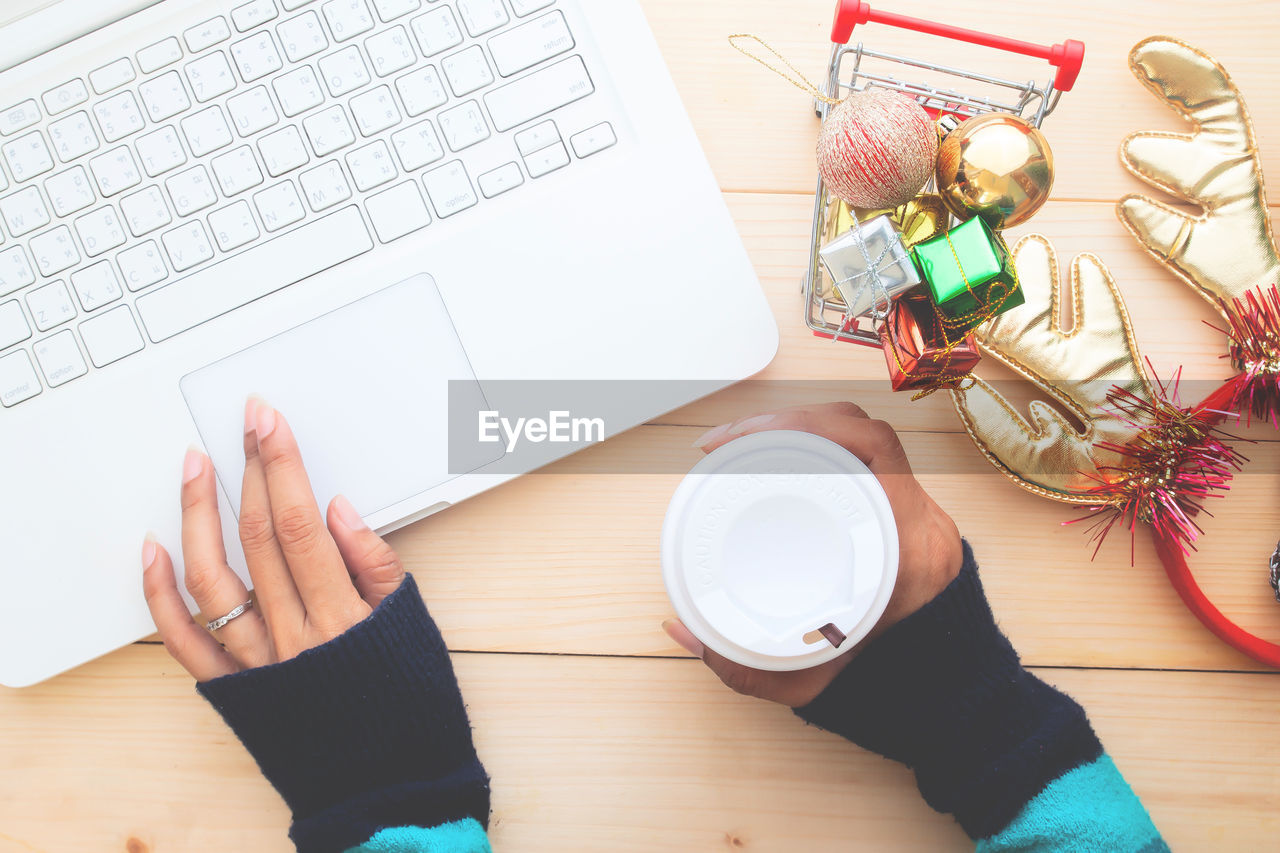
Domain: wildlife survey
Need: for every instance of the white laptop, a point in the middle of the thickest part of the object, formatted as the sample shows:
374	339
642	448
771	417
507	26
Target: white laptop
344	206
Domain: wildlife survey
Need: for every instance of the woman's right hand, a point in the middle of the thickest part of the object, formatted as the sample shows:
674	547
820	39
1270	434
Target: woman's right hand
315	576
929	548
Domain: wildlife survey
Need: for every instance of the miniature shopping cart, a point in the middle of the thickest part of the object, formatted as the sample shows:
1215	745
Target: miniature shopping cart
855	68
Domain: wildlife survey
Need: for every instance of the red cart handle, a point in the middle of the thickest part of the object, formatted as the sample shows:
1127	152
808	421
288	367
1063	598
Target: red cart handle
1066	57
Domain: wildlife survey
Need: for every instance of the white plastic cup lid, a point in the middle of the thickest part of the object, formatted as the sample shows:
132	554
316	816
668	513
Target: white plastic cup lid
770	539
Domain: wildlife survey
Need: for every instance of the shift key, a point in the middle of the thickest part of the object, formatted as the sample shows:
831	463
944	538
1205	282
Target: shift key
539	93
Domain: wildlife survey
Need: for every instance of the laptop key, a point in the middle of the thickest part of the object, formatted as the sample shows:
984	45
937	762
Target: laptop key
397	212
233	226
115	171
73	136
421	91
252	111
19	117
70	94
467	71
55	251
24	212
111	76
547	160
279	206
13	325
389	10
99	231
50	305
158	55
262	270
417	146
145	211
18	381
531	43
207	34
501	179
436	31
593	140
97	285
15	270
160	151
164	96
70	191
142	265
187	246
528	7
111	336
482	16
463	126
251	14
539	93
119	116
390	51
237	171
256	57
325	186
60	359
450	189
302	36
347	18
371	166
28	156
283	151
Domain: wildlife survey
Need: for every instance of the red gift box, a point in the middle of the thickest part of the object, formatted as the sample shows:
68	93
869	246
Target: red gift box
916	346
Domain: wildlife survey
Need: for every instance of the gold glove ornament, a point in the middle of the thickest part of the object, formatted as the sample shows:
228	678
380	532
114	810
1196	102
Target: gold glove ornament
1228	252
1142	456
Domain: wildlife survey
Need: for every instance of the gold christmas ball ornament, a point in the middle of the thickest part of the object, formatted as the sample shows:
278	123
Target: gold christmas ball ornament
996	166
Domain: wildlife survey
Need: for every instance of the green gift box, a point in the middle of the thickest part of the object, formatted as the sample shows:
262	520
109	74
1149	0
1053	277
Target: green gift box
969	274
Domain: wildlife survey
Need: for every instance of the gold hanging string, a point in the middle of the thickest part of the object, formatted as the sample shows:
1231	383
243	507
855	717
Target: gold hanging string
801	82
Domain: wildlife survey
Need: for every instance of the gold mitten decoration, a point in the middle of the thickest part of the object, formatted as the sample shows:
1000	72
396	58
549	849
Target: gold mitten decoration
1229	248
1047	454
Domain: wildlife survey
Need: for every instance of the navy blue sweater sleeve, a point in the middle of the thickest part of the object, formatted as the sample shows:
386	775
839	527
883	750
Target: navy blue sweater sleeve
364	732
944	693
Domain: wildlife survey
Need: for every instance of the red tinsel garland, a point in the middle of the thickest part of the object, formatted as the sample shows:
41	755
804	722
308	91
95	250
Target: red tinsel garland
1254	350
1177	460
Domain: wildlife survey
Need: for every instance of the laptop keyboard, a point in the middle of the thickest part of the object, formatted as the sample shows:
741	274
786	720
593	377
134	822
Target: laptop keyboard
166	188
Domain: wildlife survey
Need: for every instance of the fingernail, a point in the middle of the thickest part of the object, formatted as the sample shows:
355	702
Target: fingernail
347	514
752	424
148	550
264	419
192	465
711	435
250	413
683	637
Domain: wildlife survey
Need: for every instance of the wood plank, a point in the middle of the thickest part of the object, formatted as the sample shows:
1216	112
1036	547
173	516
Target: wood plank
759	132
590	754
581	574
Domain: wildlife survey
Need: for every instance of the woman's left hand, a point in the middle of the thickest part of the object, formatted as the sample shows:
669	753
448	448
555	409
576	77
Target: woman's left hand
314	576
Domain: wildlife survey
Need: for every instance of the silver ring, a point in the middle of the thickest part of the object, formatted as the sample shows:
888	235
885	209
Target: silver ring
223	620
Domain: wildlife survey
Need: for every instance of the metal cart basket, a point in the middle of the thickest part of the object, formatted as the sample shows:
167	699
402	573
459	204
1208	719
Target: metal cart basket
855	68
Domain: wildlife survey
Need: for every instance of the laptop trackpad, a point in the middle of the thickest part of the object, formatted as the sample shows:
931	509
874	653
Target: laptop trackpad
366	390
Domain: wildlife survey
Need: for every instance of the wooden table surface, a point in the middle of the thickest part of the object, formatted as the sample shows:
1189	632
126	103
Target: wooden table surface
599	734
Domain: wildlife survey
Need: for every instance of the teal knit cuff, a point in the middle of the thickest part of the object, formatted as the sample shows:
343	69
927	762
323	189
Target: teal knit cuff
460	836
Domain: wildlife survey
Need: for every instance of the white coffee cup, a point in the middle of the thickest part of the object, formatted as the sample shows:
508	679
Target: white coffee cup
774	540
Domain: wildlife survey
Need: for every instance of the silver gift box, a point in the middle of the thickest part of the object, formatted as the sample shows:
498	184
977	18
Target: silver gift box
862	286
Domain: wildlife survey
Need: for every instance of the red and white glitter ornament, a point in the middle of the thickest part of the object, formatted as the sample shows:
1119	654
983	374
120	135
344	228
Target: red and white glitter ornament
877	149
